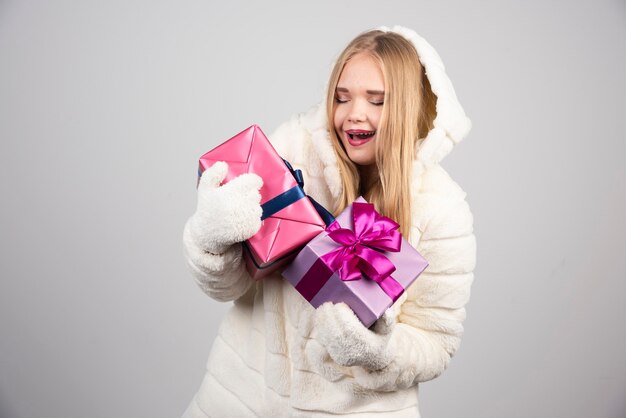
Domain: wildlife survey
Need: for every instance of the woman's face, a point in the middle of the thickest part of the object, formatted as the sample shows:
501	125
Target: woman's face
359	100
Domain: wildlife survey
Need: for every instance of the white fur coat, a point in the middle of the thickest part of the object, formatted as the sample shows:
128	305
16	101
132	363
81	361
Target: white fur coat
267	360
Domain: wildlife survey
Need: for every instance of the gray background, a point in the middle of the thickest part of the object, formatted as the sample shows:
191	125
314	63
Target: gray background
106	106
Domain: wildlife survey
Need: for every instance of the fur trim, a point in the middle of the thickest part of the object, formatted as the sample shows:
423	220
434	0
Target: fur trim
318	126
450	117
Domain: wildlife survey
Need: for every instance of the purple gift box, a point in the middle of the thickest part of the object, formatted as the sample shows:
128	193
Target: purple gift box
331	267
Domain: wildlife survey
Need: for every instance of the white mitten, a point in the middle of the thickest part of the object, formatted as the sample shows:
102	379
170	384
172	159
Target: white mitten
347	340
226	214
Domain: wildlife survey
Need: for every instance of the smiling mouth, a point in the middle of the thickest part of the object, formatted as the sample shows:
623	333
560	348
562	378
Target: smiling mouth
360	134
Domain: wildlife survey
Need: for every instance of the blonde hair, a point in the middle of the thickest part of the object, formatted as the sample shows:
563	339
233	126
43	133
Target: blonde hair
407	116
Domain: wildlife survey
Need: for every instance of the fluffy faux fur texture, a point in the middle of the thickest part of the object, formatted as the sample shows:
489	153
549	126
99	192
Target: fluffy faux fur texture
225	216
229	213
348	342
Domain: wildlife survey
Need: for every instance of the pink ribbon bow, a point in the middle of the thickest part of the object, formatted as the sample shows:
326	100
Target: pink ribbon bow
360	249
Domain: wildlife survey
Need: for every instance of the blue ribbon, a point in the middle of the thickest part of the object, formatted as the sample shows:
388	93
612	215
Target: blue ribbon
281	201
291	196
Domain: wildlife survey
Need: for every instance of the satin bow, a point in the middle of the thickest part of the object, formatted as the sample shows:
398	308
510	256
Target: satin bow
360	249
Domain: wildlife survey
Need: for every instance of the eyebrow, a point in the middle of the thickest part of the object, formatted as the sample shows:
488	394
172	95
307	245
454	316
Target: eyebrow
345	90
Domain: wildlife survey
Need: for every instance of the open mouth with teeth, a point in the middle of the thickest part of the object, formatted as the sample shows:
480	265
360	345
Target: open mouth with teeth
360	134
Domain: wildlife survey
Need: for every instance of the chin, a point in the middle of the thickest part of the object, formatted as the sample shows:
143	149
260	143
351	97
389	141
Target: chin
361	159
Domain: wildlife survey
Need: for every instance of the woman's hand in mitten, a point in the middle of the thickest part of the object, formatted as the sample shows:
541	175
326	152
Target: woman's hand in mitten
347	340
226	214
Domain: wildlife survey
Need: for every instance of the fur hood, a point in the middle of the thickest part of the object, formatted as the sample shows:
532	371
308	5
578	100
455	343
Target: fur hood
450	125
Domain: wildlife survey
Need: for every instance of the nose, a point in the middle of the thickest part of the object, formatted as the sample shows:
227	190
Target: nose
357	112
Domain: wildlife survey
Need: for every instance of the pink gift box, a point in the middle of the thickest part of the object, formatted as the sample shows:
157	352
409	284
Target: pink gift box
313	276
286	231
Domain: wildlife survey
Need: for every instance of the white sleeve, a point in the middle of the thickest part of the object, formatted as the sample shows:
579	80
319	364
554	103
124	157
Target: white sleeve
221	276
429	327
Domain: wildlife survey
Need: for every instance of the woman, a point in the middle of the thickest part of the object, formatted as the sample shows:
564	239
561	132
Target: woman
389	118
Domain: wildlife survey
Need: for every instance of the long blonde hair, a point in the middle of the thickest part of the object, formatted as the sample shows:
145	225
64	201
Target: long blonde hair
407	116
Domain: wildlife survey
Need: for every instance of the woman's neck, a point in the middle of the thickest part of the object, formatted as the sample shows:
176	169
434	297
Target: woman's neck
369	177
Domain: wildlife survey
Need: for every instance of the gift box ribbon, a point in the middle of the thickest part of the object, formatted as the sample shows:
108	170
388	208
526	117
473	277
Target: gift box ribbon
359	253
291	196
